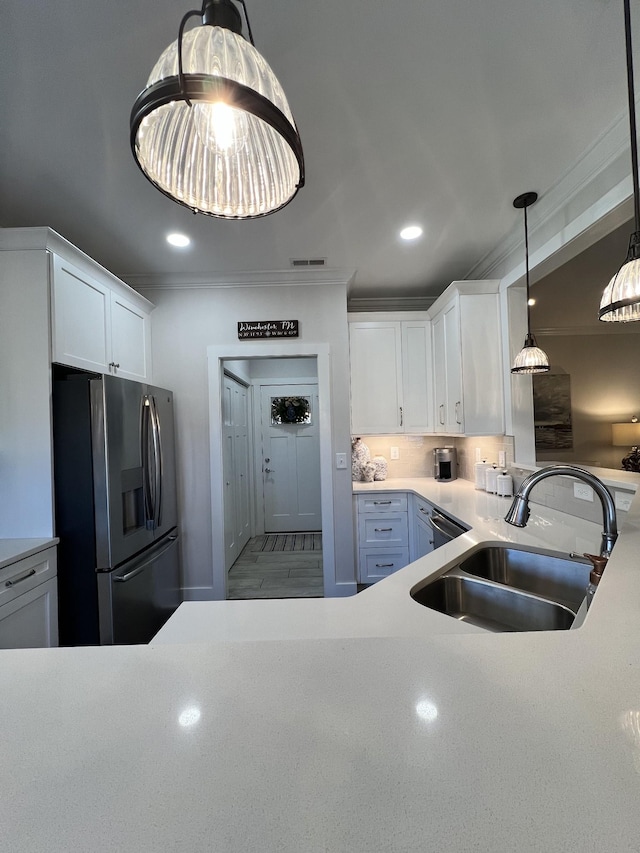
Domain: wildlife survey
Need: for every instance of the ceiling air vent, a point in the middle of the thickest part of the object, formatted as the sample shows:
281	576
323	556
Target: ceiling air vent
308	262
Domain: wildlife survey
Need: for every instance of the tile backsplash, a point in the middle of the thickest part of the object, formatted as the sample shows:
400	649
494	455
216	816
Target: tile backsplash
557	493
415	452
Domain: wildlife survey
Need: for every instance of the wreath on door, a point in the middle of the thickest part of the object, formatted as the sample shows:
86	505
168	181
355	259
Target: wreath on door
289	410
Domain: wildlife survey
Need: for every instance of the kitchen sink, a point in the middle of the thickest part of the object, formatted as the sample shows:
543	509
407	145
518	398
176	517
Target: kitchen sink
560	579
493	606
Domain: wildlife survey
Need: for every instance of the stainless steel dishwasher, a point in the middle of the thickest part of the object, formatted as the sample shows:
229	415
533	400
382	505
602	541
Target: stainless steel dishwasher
444	528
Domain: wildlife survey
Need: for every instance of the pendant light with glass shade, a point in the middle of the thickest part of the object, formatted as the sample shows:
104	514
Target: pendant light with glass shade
620	301
530	359
212	129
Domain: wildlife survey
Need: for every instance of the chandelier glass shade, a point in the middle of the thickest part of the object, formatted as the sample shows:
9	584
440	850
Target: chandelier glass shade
213	129
620	301
530	359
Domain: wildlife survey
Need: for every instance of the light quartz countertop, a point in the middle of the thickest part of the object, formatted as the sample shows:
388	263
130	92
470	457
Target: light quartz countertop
12	550
386	608
379	742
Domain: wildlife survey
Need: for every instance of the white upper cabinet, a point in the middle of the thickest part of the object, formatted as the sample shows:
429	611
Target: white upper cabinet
390	374
467	359
95	326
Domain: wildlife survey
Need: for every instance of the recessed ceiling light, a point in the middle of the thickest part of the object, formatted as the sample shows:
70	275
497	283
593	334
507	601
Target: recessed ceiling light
411	232
178	240
532	301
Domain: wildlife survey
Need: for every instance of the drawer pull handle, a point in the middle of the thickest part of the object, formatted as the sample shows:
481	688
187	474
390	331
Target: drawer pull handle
423	510
20	578
381	503
384	565
383	529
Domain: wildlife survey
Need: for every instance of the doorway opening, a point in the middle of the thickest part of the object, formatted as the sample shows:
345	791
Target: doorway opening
271	476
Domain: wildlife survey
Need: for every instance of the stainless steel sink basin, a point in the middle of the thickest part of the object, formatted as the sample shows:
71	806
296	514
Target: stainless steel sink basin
491	605
561	579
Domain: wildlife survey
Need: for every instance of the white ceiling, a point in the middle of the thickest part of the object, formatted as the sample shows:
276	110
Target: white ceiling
414	111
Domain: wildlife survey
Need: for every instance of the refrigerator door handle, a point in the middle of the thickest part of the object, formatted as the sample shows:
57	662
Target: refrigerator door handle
158	463
152	558
145	438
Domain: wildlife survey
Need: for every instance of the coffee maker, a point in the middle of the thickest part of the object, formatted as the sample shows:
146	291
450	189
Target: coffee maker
445	463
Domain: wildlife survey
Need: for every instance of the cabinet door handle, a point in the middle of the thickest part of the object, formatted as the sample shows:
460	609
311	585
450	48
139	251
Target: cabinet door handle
384	565
401	417
382	529
19	578
423	510
458	421
441	415
114	365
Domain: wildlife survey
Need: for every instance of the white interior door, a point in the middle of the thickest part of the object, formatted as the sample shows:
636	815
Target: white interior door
290	464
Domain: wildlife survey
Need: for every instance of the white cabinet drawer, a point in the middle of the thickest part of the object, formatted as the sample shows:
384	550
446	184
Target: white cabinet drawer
30	621
383	502
378	564
390	530
21	576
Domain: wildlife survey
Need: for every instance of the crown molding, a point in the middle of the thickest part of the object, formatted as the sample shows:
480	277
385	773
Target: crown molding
564	201
253	278
44	239
601	329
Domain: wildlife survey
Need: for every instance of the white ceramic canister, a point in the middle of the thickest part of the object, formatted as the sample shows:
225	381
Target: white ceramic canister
480	469
504	485
491	475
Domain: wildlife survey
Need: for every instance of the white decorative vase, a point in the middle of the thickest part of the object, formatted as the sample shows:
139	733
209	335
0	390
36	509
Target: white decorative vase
380	468
368	472
360	455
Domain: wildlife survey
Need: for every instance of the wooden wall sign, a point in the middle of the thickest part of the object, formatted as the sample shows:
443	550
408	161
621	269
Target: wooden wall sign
267	329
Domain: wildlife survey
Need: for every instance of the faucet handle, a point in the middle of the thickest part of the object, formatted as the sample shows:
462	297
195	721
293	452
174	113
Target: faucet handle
599	564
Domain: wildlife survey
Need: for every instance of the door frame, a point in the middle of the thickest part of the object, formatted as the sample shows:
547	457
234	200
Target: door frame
216	356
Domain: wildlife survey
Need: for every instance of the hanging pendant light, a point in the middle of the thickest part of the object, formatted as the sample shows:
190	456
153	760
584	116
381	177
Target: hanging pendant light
620	301
530	359
212	129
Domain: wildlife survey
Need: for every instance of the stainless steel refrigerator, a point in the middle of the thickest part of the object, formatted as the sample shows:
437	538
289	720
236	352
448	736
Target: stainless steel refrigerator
116	511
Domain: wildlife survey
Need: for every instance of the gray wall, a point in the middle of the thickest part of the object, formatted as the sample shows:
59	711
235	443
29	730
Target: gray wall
601	358
188	320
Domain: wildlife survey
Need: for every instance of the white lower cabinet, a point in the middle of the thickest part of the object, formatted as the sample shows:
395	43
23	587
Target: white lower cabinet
383	535
29	602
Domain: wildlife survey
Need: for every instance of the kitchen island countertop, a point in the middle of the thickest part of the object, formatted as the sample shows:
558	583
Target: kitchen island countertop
442	742
386	608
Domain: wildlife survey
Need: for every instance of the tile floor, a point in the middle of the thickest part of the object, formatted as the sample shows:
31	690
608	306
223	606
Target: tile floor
275	574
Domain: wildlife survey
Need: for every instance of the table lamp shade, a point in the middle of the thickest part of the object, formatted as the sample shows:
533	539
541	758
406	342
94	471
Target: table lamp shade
626	434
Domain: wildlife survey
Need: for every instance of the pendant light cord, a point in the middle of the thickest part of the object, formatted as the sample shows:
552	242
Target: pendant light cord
632	113
526	261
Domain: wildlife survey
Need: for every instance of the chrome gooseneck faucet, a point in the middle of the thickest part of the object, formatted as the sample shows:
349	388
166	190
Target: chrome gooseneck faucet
518	514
